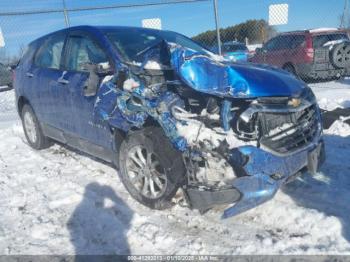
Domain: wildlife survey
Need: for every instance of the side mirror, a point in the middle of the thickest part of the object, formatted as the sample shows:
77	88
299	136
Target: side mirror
259	50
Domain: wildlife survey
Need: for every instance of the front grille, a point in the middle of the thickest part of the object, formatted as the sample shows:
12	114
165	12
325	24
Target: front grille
286	132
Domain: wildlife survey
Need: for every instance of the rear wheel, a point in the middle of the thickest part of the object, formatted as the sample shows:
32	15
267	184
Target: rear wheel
150	168
32	129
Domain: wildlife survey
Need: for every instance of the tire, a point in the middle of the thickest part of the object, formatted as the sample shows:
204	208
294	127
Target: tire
147	161
340	55
32	129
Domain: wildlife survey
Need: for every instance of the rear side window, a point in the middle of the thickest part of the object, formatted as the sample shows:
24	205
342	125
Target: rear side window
276	43
83	50
49	54
296	41
320	40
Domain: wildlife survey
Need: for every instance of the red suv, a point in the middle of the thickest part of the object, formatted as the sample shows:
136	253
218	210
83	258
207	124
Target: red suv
309	54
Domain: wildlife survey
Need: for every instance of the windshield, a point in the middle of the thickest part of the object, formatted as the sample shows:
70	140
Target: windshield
320	40
132	42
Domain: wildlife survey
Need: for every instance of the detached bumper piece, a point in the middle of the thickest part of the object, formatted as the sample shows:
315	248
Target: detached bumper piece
204	199
268	172
265	173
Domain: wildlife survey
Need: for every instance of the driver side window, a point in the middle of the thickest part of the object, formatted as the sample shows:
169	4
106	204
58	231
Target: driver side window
83	50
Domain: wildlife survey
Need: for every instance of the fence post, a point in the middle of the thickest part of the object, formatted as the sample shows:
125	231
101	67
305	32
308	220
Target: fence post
65	12
217	26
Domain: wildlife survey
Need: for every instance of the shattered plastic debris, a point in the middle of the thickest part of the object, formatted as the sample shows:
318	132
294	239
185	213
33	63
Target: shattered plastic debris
130	84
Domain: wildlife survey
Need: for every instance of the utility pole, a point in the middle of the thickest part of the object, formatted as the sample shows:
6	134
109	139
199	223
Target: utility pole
345	20
65	12
217	26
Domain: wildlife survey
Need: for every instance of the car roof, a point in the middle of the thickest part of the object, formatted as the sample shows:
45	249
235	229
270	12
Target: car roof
95	29
314	31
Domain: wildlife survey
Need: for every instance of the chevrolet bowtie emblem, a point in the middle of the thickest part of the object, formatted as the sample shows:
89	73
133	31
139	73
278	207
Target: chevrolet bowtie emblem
294	102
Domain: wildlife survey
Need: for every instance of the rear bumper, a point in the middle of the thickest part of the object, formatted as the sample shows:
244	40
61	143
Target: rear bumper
319	71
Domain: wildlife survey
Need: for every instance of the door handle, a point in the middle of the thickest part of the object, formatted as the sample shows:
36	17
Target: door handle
63	81
29	74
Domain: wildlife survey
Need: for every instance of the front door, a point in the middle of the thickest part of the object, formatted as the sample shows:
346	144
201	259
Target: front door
81	50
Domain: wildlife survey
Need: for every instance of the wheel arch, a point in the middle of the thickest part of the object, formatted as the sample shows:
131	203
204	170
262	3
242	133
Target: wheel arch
289	64
22	100
292	66
120	135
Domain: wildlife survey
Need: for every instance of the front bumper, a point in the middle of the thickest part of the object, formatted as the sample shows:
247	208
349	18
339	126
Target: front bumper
264	174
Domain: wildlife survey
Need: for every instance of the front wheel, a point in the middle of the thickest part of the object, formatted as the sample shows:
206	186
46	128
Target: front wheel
32	129
150	168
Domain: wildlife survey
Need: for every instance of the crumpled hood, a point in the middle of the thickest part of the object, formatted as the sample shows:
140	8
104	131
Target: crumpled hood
219	77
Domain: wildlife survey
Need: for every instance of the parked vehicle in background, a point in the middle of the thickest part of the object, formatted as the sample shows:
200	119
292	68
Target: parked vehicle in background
170	114
5	77
233	51
310	54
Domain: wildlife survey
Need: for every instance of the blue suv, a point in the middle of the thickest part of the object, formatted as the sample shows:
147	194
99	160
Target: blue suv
176	120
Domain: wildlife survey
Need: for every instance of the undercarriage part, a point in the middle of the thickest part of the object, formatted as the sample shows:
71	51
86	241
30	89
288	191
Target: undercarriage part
257	190
203	200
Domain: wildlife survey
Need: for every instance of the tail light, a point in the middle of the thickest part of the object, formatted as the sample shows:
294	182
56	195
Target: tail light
309	51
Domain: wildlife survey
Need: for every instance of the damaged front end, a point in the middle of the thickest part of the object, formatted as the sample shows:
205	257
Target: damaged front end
243	130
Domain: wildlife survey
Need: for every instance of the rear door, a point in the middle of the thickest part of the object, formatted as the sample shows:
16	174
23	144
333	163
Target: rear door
296	51
82	49
267	52
276	51
52	104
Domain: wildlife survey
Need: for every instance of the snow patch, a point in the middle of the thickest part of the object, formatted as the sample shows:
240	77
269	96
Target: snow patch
333	94
130	84
334	42
339	128
107	78
323	29
152	65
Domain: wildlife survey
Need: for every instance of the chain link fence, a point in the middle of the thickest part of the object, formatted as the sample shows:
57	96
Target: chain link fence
267	31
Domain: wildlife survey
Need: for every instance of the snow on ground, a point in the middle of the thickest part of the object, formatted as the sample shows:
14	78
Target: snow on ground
7	108
331	95
57	201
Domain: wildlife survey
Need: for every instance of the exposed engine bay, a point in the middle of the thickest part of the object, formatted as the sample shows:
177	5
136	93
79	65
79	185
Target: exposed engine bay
216	122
